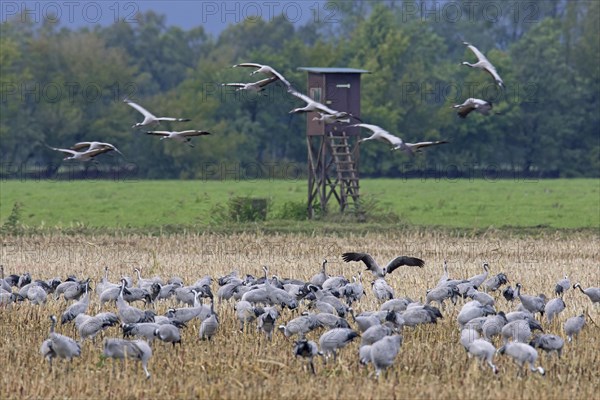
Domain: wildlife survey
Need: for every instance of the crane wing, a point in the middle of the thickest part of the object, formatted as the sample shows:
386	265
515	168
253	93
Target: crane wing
141	109
265	82
477	53
302	96
404	260
193	133
81	145
382	133
158	133
234	84
425	144
66	151
251	65
364	257
281	77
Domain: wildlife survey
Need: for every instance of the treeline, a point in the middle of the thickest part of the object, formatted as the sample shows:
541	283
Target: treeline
61	85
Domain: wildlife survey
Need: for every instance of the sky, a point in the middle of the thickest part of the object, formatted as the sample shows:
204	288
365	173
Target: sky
214	16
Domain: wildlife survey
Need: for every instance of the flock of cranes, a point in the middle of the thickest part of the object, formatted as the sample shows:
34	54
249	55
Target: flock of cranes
300	309
86	151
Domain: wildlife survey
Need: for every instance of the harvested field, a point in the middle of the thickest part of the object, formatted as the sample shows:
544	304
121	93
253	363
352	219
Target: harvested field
431	362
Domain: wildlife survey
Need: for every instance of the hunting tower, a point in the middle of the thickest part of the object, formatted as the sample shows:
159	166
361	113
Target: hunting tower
333	148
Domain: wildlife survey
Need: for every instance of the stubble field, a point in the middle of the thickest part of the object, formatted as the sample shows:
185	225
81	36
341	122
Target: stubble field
431	362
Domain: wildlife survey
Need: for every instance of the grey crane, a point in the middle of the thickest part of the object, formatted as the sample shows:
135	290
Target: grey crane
146	282
300	325
376	333
254	87
419	315
481	297
398	304
321	296
256	295
519	330
179	136
354	291
141	329
330	321
105	284
90	146
364	354
335	283
228	290
149	118
553	308
335	339
58	345
210	325
134	349
573	326
397	143
37	295
267	70
90	326
476	324
61	288
522	354
495	282
246	312
10	280
8	298
340	116
167	291
484	64
440	293
562	286
74	292
175	280
87	155
24	279
185	294
472	104
168	333
477	280
444	278
592	292
508	294
484	351
129	314
467	336
493	325
146	294
186	314
225	279
384	352
473	309
279	296
382	290
322	307
79	307
533	304
381	272
164	320
548	343
307	349
368	319
311	105
516	315
321	277
110	293
266	321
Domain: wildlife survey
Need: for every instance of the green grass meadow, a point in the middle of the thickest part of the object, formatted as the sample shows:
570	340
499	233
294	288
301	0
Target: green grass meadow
477	204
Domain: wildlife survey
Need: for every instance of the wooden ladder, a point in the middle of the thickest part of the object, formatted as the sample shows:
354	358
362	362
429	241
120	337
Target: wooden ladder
346	167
